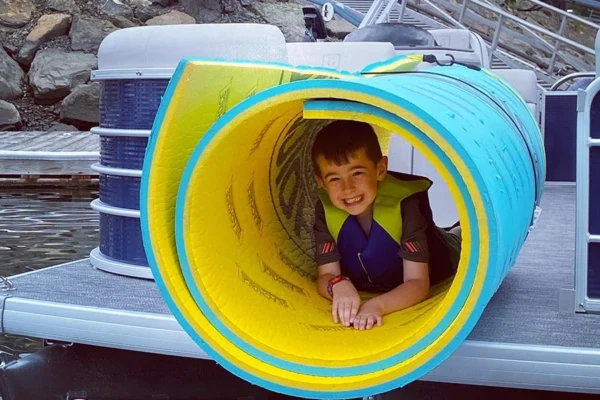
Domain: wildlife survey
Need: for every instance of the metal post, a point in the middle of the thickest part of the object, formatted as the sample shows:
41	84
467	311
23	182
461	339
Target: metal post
496	37
463	11
582	195
561	32
371	15
402	8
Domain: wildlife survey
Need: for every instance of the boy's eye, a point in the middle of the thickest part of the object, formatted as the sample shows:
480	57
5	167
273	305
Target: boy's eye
334	179
357	173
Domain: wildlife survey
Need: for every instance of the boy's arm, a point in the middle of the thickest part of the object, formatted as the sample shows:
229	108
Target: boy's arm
326	272
345	301
414	290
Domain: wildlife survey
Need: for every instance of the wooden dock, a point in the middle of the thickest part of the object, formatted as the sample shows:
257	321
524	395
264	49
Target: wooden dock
48	158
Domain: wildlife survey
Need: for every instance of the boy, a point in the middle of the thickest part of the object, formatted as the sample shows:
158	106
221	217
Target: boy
374	229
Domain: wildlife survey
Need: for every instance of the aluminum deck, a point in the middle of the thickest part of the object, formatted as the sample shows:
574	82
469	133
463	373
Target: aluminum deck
522	339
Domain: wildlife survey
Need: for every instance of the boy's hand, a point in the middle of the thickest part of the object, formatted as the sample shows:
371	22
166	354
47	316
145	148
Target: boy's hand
370	313
346	303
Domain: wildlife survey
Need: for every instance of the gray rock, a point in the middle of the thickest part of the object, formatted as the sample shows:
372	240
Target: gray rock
60	127
82	107
230	6
9	117
140	3
67	6
49	26
286	16
16	13
55	73
246	3
144	13
11	77
164	3
121	22
205	11
172	18
115	7
339	27
12	49
87	33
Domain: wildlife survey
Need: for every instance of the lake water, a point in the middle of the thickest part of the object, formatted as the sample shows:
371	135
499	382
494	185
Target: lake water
40	229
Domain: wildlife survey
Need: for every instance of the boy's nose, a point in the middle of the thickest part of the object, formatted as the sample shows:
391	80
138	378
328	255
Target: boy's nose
348	185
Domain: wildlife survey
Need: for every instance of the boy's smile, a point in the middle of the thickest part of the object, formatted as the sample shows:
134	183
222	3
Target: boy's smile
352	187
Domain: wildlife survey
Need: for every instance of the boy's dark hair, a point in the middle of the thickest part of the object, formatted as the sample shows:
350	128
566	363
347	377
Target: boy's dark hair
341	139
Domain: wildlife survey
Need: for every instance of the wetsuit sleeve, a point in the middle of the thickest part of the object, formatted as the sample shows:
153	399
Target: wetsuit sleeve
413	244
325	247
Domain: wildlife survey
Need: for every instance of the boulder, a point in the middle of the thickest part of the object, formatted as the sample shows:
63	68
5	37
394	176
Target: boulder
286	16
338	27
49	26
172	18
115	7
16	13
121	22
146	12
82	107
65	6
87	33
11	77
54	73
9	117
60	127
205	11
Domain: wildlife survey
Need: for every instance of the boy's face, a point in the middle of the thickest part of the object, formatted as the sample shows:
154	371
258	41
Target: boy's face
352	187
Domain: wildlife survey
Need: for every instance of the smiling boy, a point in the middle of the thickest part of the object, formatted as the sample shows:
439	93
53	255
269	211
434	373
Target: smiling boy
374	229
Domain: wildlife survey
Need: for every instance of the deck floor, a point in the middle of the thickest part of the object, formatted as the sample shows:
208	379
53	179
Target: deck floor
525	310
49	141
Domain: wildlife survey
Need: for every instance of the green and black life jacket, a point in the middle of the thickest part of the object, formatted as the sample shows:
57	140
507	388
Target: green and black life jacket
372	262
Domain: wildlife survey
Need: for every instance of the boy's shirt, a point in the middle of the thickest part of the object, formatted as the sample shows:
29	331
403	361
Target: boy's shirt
421	240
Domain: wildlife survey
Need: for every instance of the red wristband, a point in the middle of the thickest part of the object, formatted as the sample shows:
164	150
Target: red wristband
333	281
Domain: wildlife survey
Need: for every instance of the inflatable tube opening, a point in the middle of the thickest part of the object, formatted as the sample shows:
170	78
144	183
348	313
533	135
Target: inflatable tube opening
244	235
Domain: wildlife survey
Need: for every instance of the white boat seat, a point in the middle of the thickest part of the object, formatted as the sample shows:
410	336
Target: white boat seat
345	56
525	82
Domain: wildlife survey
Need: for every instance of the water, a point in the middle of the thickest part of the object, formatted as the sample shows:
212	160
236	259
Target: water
40	229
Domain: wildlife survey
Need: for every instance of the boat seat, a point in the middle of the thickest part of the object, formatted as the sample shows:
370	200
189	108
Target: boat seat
525	82
452	38
465	46
345	56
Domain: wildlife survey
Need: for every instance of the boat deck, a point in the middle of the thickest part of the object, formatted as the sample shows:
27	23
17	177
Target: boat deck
523	339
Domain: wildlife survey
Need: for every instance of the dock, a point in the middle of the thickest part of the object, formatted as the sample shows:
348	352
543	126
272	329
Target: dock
48	158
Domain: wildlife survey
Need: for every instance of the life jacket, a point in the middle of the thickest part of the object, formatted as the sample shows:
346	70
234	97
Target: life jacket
372	262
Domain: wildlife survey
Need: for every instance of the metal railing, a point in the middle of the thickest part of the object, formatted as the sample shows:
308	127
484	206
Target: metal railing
570	77
559	38
533	29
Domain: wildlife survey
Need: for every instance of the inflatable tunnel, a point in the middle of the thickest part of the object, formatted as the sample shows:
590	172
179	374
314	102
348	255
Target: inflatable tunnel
226	210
